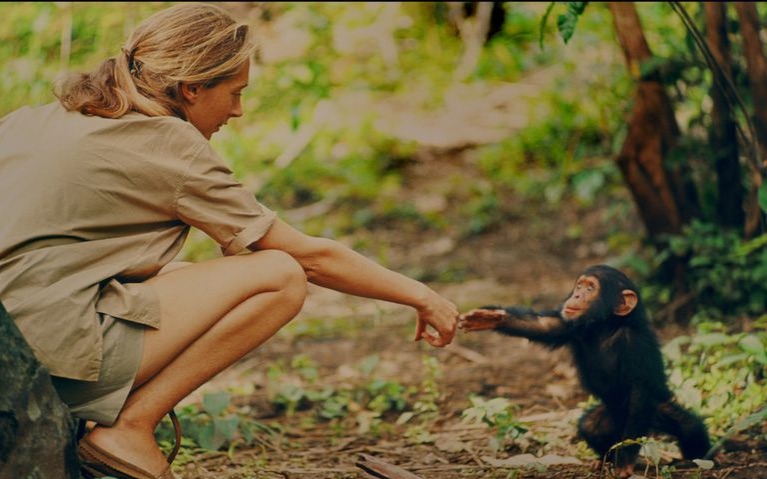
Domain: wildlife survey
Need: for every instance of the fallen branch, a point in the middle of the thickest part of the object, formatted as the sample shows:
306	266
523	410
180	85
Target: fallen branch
382	470
467	354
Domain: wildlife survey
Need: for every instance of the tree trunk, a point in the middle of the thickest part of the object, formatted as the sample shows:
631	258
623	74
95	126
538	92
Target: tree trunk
663	190
473	31
757	68
665	197
36	429
723	134
757	76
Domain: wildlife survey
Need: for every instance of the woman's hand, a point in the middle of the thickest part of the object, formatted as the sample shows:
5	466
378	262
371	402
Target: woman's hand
439	314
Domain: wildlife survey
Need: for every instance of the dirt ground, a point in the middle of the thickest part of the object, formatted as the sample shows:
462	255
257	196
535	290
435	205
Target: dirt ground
531	258
526	260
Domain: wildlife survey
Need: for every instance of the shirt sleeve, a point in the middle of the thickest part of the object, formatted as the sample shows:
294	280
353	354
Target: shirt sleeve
213	201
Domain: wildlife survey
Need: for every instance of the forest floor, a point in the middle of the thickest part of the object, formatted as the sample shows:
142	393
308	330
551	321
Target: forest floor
339	345
528	259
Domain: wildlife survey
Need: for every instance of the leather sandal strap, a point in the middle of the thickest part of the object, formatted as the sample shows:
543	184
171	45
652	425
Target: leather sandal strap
177	429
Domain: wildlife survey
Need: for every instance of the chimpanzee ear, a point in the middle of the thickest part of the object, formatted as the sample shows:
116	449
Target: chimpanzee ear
628	302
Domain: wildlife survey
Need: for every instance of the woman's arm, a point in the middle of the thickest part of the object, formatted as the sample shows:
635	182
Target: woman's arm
330	264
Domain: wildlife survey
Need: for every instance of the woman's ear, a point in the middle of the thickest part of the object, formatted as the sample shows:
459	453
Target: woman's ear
629	301
190	91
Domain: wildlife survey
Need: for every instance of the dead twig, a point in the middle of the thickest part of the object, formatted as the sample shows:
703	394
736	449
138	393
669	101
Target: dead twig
382	470
467	354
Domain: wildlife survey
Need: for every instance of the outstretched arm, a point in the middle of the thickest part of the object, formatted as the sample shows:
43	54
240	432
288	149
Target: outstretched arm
330	264
545	327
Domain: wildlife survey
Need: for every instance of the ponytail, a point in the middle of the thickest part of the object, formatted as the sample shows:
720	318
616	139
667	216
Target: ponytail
189	43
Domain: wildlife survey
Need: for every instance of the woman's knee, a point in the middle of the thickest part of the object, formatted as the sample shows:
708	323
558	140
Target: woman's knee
285	273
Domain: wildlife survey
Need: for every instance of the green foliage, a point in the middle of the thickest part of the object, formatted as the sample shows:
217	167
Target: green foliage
429	394
39	40
482	210
403	52
651	451
340	50
511	52
762	197
720	374
567	21
213	426
387	396
371	403
726	274
550	159
756	419
498	414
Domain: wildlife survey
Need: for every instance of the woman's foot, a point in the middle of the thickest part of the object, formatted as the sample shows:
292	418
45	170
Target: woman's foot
133	450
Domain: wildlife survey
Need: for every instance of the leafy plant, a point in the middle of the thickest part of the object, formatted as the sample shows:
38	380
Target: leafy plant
496	413
213	425
723	375
727	275
386	395
426	404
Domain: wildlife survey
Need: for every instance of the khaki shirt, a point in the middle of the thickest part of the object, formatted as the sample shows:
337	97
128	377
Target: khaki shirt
90	207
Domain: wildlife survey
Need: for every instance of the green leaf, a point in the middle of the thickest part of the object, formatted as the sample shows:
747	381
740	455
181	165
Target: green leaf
215	403
711	339
368	364
752	420
652	451
588	184
217	432
208	439
577	7
749	247
566	23
729	359
247	433
762	197
227	428
704	463
754	346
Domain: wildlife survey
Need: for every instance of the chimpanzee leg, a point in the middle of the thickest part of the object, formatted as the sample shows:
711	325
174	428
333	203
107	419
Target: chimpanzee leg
597	428
602	430
686	427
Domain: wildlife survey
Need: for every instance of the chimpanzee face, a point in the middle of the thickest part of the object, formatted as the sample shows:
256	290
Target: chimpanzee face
585	293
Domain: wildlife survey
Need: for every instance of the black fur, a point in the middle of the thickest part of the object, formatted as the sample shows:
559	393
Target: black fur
619	361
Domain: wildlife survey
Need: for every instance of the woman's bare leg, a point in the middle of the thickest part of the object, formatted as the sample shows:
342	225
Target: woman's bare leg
213	313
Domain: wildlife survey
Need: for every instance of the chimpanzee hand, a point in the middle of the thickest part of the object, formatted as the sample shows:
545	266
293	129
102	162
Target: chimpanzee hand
478	319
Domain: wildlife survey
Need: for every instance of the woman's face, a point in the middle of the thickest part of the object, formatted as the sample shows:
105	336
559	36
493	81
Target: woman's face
208	109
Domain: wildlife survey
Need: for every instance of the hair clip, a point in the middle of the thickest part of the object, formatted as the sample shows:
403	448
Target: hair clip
134	66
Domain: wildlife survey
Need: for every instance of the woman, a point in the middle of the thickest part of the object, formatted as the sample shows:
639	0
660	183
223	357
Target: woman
105	184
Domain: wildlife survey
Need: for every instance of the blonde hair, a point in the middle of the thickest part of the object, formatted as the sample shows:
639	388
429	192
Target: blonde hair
186	43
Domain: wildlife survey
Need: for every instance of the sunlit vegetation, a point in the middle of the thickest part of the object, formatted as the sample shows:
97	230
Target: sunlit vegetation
317	144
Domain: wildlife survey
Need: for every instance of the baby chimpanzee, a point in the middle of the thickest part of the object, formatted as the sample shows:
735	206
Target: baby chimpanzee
618	358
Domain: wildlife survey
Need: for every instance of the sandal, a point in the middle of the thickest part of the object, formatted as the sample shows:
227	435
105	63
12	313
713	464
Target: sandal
96	462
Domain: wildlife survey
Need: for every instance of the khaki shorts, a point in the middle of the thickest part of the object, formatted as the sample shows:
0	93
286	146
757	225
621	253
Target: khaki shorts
102	400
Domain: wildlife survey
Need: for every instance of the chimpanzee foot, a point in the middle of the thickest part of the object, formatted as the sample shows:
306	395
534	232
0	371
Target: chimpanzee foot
624	472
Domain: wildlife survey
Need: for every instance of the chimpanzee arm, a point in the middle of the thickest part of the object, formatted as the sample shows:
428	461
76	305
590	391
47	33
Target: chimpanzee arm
546	327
